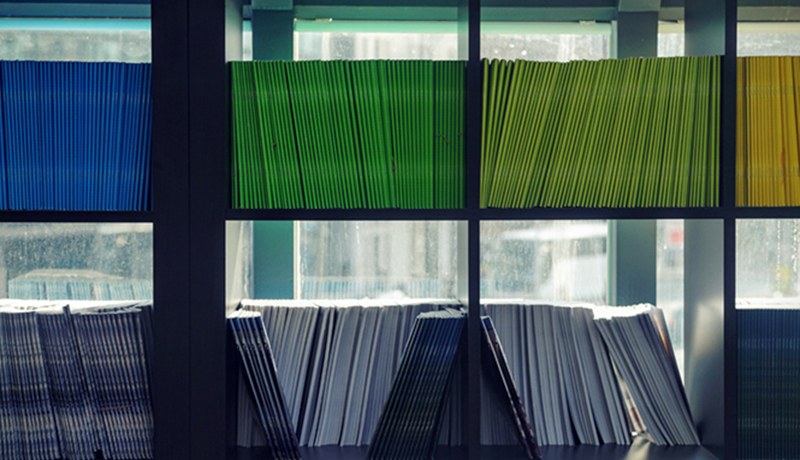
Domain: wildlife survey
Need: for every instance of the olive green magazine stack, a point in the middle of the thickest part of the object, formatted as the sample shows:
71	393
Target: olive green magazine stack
613	133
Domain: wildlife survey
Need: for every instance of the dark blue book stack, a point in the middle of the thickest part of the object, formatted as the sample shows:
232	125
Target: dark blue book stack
769	378
75	384
408	427
113	343
258	365
74	400
75	136
29	431
495	368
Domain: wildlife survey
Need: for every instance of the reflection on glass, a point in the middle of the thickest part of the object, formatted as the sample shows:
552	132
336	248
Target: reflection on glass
85	40
768	39
545	260
546	47
554	45
369	45
669	281
112	261
767	258
352	260
753	39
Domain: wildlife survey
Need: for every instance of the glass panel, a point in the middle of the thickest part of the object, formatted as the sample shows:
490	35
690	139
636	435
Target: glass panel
328	46
753	39
768	39
546	47
545	260
671	39
351	260
556	41
85	40
767	258
112	261
669	280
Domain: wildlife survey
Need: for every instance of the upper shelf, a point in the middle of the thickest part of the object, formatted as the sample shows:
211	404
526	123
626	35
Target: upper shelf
507	214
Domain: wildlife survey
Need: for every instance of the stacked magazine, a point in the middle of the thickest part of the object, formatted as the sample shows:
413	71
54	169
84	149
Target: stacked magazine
335	364
591	375
501	382
75	135
639	132
347	134
412	415
565	374
75	380
767	151
259	367
769	385
642	353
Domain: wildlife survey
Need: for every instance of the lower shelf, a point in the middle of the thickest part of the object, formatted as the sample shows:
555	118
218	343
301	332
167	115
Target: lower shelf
641	449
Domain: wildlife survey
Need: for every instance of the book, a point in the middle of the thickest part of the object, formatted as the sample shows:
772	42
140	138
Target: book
347	134
259	367
639	132
496	366
409	424
75	380
76	136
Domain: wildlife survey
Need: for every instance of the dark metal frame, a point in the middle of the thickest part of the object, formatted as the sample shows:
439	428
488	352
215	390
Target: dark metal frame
192	40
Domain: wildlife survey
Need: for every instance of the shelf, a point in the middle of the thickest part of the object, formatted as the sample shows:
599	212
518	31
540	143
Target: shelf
76	216
603	213
481	214
351	214
189	147
789	212
641	449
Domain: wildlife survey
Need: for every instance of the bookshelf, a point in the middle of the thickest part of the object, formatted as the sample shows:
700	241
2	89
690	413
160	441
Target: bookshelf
192	40
708	31
705	230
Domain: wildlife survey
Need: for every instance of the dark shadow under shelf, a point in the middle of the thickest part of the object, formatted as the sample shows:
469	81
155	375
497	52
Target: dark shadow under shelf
76	216
641	449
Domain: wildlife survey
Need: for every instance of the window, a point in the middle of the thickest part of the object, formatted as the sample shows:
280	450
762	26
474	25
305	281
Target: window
545	260
376	259
753	39
110	261
86	40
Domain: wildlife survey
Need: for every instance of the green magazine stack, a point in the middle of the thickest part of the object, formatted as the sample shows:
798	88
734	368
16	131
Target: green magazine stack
347	134
614	133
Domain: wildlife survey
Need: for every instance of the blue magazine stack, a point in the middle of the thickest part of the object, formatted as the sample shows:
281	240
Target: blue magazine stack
769	378
75	381
75	136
